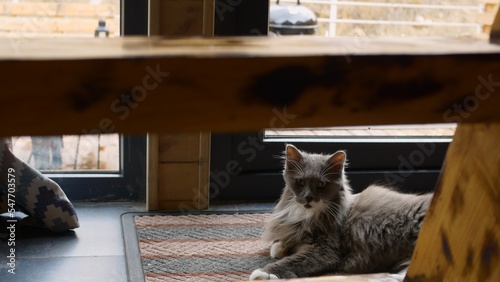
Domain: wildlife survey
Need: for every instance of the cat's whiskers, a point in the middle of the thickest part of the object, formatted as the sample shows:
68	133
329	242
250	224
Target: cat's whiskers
332	165
332	211
327	172
295	171
329	176
297	167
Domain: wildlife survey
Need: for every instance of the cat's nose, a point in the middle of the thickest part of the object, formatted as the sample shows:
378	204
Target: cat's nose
309	199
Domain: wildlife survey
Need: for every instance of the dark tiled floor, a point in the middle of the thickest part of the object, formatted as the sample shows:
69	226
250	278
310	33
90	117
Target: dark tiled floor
94	252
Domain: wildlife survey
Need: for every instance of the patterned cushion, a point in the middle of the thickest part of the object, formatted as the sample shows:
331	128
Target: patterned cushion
35	194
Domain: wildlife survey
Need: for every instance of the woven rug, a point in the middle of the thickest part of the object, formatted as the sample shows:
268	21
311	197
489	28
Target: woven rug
207	247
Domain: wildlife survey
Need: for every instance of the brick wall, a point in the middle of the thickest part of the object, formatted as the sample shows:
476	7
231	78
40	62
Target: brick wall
57	18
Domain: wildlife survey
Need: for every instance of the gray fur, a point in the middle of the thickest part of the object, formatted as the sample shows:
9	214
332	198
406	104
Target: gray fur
320	227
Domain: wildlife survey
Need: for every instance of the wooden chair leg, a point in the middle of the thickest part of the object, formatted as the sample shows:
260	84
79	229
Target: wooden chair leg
495	28
460	238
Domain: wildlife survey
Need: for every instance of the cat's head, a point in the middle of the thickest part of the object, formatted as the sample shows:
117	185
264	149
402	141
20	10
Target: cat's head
315	180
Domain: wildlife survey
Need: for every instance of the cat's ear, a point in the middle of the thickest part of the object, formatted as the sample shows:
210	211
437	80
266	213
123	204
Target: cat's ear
336	162
292	157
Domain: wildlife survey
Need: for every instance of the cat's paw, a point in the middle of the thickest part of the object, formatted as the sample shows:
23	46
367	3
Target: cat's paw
259	274
277	250
398	277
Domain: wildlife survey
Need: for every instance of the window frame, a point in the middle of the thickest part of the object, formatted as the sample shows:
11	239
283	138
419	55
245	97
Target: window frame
244	167
130	183
127	185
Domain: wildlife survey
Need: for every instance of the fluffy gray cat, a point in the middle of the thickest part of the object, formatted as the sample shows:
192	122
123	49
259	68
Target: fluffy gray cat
319	227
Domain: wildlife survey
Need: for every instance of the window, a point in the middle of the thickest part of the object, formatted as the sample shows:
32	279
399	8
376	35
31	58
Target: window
70	153
106	167
53	18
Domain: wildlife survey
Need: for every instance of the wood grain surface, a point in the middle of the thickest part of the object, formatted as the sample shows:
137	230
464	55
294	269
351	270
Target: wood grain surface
460	238
137	85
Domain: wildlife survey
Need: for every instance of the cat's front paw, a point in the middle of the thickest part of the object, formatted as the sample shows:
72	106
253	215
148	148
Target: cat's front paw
398	277
277	251
259	274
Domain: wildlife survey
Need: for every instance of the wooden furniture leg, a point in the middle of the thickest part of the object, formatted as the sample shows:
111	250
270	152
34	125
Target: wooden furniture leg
495	26
460	238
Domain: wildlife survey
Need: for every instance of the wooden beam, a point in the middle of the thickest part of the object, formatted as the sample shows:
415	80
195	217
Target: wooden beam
460	238
138	85
27	48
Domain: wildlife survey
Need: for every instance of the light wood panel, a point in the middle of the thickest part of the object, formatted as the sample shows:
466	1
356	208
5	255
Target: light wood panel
179	171
182	179
181	17
180	148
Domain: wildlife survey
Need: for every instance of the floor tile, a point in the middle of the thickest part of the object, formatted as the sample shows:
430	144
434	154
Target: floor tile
71	269
92	252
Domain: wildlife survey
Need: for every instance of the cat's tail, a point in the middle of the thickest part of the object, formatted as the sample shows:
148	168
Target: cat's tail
398	277
404	264
399	271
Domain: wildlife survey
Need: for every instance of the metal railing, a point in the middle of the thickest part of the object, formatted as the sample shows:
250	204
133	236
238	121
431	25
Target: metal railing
335	19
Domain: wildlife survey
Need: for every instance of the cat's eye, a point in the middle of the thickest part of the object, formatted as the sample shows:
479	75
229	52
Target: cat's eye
322	184
300	181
